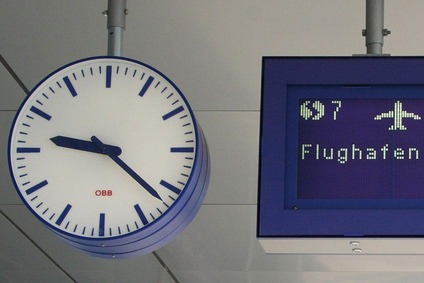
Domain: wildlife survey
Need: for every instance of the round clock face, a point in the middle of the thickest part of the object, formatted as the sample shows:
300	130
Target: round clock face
103	148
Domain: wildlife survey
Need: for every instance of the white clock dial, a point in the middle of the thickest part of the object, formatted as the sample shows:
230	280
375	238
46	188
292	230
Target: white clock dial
103	148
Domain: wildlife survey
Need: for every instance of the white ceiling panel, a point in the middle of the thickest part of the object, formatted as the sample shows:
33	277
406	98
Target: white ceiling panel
40	36
80	267
21	261
11	94
233	140
221	244
213	51
8	195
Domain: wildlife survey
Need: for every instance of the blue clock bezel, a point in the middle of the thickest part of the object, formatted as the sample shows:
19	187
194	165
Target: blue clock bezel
279	116
164	228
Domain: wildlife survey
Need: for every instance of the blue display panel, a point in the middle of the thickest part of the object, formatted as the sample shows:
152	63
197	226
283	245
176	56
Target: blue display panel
358	147
342	147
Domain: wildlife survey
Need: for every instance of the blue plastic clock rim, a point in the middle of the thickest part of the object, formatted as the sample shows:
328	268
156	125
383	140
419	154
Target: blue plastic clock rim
156	225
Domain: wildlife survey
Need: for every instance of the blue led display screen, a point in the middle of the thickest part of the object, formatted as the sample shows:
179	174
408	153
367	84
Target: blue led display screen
341	147
360	145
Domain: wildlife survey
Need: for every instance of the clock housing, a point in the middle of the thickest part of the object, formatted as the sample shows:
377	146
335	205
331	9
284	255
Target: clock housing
107	152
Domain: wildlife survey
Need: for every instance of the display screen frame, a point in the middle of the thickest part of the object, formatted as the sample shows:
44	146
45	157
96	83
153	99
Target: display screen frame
323	217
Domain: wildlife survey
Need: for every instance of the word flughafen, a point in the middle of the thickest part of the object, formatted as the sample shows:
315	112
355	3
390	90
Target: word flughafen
354	153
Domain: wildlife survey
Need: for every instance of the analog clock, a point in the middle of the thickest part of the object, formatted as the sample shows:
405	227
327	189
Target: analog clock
107	153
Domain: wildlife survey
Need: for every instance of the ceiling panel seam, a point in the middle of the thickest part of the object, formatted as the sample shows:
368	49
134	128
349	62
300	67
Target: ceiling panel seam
36	245
163	264
13	74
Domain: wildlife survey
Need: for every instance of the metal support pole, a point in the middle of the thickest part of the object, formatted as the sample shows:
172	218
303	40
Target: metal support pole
116	13
375	30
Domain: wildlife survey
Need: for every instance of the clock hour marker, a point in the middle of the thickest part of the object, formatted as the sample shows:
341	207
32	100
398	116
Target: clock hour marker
70	86
141	214
182	149
36	187
28	150
170	187
173	113
102	225
40	113
108	76
63	214
146	86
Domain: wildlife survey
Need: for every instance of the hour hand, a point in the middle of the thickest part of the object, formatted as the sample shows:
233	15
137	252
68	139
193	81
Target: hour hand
83	145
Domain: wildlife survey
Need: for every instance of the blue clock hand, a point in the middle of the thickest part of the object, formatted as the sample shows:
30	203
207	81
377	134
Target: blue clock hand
105	150
82	145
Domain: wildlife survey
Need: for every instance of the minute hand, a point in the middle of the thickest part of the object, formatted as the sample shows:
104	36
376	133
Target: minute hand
104	149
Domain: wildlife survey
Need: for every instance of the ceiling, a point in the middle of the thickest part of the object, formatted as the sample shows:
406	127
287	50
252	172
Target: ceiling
212	50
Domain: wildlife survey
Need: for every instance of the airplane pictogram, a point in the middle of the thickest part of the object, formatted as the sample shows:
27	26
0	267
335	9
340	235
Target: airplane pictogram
397	114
